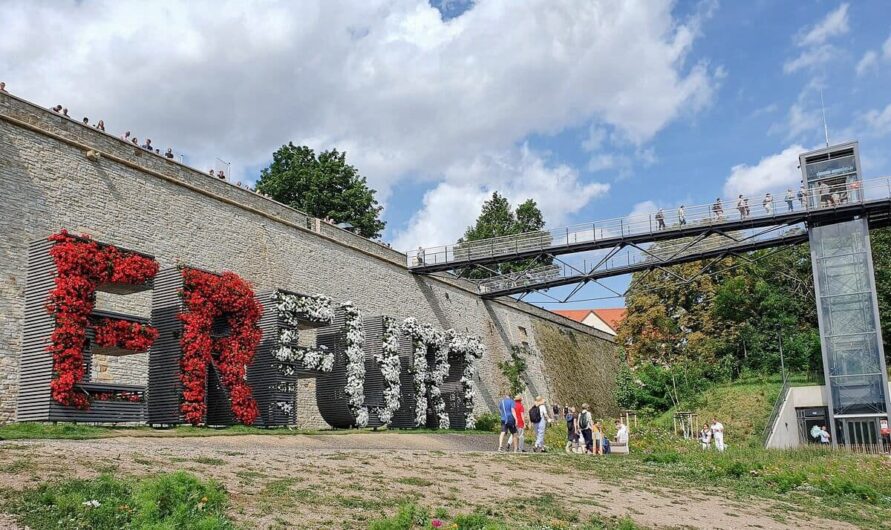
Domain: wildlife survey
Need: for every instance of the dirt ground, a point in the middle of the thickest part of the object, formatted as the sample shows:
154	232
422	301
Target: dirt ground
327	481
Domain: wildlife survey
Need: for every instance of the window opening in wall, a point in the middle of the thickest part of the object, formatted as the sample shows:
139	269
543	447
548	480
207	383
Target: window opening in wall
523	332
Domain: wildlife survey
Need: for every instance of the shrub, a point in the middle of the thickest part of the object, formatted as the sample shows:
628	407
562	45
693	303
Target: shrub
488	421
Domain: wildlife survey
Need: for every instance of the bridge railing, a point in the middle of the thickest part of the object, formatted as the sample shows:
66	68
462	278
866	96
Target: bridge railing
721	211
602	263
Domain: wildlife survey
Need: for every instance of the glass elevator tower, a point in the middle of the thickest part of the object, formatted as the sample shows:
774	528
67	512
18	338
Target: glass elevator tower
847	308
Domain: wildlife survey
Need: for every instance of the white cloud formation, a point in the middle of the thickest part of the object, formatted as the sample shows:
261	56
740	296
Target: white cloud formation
833	24
870	59
878	122
866	63
406	94
810	58
815	50
453	205
771	173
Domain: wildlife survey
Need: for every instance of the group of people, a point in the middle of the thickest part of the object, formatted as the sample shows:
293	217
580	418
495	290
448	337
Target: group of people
584	435
712	433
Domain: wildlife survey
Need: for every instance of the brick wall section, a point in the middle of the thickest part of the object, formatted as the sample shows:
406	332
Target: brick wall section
138	200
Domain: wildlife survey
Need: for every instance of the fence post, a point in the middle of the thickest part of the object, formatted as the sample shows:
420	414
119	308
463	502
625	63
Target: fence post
594	231
651	223
622	227
567	236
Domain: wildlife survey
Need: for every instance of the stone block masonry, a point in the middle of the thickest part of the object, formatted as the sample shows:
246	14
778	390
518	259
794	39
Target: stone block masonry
135	199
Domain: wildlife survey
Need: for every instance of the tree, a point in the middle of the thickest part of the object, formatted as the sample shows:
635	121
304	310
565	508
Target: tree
323	186
497	219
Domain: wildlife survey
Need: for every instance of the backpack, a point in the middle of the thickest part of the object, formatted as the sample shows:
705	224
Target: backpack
584	422
535	414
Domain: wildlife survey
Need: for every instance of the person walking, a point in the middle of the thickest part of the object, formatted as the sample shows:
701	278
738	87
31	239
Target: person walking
718	209
767	203
585	423
718	434
556	410
520	446
705	437
682	216
789	200
572	431
660	218
508	421
540	418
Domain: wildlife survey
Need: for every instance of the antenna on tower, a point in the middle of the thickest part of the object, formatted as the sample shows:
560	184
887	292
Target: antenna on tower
825	127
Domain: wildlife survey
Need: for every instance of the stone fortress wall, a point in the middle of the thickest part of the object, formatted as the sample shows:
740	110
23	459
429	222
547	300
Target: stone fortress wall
144	202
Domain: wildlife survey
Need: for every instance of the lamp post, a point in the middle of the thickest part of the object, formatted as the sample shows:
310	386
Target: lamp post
782	360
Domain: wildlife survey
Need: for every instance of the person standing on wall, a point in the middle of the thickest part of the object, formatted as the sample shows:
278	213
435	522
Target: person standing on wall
718	434
508	421
789	199
540	418
682	216
584	423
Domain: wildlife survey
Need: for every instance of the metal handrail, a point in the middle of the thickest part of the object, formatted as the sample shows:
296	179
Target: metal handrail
716	213
777	406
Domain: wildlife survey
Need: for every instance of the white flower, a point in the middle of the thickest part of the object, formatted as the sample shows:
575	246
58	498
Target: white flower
388	361
92	503
292	310
426	380
466	349
355	368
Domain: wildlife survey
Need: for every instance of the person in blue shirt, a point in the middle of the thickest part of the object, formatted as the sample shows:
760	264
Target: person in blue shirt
508	421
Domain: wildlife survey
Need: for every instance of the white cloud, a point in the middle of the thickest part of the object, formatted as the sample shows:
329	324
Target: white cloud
771	173
833	24
406	94
869	61
815	50
886	49
453	205
810	58
878	122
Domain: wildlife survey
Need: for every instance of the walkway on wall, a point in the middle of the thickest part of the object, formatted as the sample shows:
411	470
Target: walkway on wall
639	242
644	228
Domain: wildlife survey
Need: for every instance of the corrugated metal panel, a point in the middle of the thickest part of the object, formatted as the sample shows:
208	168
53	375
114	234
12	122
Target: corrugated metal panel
164	387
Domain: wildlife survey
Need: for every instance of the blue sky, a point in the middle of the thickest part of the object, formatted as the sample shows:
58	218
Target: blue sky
594	108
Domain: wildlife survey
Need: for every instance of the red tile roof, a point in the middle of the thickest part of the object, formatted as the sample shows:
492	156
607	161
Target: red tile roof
611	316
575	314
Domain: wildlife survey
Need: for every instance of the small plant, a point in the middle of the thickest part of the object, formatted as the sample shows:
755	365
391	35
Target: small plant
514	369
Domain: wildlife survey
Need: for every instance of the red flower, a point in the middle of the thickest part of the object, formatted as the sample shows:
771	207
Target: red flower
81	266
205	297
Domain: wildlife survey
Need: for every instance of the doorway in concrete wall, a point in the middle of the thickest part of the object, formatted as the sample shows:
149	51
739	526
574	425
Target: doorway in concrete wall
808	419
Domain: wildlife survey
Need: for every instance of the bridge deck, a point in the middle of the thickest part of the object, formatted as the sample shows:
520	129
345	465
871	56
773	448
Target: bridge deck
861	198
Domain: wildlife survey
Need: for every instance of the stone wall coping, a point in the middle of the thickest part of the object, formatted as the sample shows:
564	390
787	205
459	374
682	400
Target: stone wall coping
27	115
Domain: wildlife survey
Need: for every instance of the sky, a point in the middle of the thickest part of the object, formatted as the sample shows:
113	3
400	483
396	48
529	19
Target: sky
594	109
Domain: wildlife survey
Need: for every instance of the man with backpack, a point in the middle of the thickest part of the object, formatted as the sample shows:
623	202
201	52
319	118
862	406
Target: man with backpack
540	418
585	424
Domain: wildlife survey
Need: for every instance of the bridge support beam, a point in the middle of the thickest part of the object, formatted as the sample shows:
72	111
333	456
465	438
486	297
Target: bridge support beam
850	334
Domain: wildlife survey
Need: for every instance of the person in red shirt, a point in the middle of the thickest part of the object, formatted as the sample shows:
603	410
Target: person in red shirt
521	424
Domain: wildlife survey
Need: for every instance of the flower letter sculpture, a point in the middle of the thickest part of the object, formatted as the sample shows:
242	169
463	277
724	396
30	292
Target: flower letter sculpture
82	265
355	363
294	309
426	379
388	360
467	349
205	297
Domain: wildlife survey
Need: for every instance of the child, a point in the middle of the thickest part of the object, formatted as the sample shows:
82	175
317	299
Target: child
705	437
572	431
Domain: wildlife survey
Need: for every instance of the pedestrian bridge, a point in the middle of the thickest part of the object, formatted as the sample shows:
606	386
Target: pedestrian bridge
661	238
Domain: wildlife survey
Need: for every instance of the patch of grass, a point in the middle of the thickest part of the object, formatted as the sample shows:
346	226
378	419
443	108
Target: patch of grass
19	465
415	481
209	460
175	500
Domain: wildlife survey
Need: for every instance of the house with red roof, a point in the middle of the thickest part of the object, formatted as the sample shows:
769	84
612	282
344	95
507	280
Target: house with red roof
606	319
